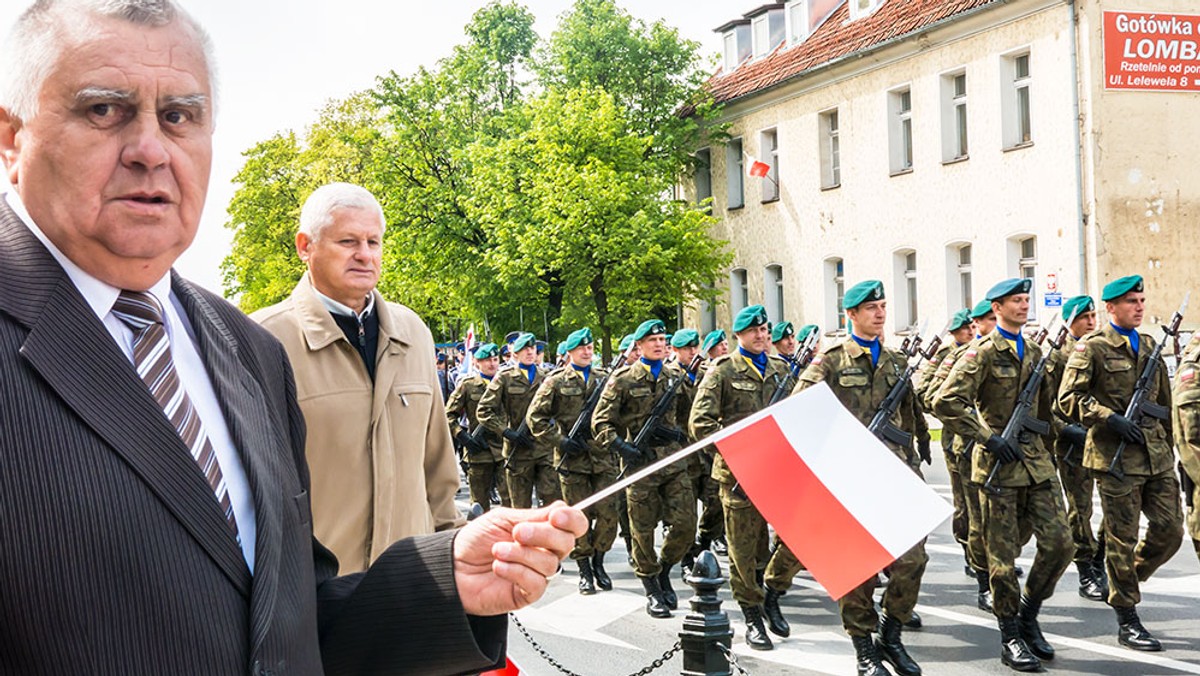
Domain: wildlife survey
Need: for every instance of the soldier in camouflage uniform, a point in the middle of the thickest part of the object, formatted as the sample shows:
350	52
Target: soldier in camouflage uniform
484	454
1096	388
712	516
625	405
976	402
584	467
734	387
528	463
1187	430
861	371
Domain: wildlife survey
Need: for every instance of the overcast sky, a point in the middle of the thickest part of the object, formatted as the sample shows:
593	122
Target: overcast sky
279	61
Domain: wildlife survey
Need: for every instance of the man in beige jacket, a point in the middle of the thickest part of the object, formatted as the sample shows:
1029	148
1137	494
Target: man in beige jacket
378	447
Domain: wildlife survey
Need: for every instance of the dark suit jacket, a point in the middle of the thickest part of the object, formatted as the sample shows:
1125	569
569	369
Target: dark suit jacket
114	555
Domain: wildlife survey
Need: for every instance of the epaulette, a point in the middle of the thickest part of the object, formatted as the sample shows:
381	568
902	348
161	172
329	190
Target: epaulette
620	370
722	359
839	345
778	357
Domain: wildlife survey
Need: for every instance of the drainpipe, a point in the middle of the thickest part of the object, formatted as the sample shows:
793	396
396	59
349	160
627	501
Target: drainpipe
1080	139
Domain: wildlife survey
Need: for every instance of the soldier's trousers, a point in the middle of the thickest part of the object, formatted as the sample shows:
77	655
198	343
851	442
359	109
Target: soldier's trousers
661	497
1079	485
602	516
1193	519
528	472
904	585
481	477
959	524
976	542
711	524
1010	517
749	543
1129	561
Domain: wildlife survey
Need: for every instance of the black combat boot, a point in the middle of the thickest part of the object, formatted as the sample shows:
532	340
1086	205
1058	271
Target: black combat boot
655	606
891	649
720	546
603	581
1132	634
1089	586
1013	650
1031	631
756	634
984	600
914	622
776	622
628	549
664	583
587	584
867	657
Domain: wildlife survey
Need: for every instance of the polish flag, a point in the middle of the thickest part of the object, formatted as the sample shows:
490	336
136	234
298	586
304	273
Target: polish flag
841	500
510	669
468	362
755	168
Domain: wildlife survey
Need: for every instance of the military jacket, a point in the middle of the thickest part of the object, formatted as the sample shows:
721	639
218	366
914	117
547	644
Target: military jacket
1058	366
464	402
732	389
626	402
553	413
1099	380
978	398
1186	413
928	374
846	368
505	402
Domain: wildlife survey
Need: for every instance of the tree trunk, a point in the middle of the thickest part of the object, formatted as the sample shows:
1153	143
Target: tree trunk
556	289
600	298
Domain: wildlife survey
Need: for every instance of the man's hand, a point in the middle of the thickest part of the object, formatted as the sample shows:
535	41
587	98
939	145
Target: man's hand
469	442
664	434
571	446
924	452
503	559
518	440
1125	429
1004	451
632	455
1076	435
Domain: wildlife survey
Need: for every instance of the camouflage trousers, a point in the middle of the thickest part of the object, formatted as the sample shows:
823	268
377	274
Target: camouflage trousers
706	489
976	545
661	498
1129	561
1010	518
748	538
904	585
482	477
524	474
1079	486
959	523
602	517
1193	520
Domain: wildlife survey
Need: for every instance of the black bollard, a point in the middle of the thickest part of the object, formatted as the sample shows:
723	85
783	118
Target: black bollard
707	626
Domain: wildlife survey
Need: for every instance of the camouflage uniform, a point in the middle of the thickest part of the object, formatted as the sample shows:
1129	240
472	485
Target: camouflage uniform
628	398
975	401
551	415
1098	382
711	524
484	470
959	524
846	368
1077	481
503	406
733	389
1187	426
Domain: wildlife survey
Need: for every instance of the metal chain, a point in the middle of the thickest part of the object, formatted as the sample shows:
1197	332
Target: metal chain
732	660
537	647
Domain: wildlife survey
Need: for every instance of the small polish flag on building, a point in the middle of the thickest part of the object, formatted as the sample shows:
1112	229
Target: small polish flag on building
510	669
755	168
844	503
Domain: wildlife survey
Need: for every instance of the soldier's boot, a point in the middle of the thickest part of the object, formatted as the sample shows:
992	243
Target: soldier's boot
720	547
655	605
1089	586
1014	652
776	622
914	622
1098	564
866	657
984	598
664	583
1031	631
1132	634
587	584
892	650
756	633
603	581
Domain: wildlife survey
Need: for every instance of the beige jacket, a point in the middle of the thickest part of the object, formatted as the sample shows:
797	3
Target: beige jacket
381	460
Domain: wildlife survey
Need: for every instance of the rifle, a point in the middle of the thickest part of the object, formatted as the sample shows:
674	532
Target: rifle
804	354
660	410
1022	419
1140	405
881	425
582	429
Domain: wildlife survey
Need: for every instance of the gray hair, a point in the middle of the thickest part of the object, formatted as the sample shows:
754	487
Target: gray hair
40	33
318	209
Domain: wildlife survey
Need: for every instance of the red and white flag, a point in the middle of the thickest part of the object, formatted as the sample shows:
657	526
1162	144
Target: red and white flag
841	500
755	168
510	669
468	361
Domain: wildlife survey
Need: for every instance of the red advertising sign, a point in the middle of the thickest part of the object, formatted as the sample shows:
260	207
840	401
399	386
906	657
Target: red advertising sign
1152	51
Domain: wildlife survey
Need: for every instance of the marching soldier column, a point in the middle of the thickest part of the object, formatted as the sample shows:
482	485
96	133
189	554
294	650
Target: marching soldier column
482	452
1187	433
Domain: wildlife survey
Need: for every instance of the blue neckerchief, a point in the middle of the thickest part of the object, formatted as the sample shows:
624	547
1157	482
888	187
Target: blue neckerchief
530	370
486	376
655	366
1130	334
759	360
872	344
1017	338
691	376
585	370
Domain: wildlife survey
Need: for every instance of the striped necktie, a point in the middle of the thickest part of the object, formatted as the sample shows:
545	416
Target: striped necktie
152	358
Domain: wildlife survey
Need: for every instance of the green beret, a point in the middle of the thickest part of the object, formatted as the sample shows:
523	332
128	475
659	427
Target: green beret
713	339
872	289
962	318
626	343
1008	287
561	349
523	341
685	338
749	317
650	327
1117	288
802	334
581	337
487	351
981	309
782	330
1077	305
668	337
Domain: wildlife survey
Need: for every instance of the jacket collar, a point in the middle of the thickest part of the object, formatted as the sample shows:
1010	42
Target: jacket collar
320	329
1109	335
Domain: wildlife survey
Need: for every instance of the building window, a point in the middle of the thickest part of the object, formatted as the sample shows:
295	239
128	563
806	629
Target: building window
900	130
773	292
835	290
1023	263
739	291
954	117
805	16
731	51
734	182
702	175
964	276
1017	113
762	36
906	289
768	145
862	8
959	293
831	162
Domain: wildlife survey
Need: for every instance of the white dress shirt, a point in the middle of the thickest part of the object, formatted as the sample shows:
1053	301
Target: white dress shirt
188	364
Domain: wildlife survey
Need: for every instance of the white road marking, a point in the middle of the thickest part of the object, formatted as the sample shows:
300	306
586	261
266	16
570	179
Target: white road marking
578	618
823	652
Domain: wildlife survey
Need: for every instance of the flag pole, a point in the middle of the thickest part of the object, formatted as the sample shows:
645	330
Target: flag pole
646	471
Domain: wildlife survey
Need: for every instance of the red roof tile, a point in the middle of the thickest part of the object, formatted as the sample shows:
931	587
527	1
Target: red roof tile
835	38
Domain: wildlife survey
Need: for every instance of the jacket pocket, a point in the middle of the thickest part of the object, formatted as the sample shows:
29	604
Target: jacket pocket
853	378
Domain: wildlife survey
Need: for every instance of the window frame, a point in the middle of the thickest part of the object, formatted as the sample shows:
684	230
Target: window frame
829	139
735	170
769	188
900	134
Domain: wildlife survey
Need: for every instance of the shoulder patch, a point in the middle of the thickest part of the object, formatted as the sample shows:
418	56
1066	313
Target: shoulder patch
1187	375
1080	347
817	360
970	354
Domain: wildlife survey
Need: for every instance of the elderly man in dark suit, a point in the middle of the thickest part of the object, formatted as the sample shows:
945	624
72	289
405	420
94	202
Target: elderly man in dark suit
153	489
